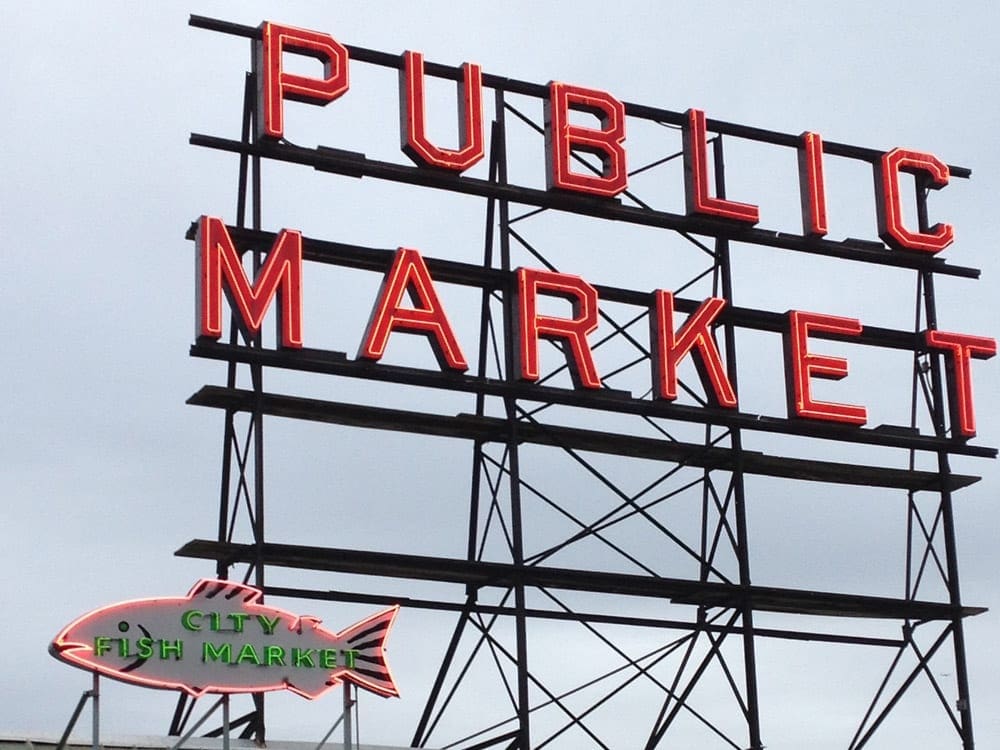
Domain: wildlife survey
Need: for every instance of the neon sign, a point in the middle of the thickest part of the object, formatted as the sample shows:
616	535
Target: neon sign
565	362
565	139
280	277
220	639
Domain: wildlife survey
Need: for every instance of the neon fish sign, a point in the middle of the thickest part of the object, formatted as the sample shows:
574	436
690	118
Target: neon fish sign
220	639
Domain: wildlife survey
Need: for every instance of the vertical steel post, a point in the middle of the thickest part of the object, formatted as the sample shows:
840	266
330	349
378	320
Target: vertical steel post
348	723
257	418
421	733
513	458
95	730
739	494
483	356
947	514
225	722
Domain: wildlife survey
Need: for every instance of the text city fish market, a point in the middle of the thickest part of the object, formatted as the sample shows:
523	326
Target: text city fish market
220	273
196	621
267	655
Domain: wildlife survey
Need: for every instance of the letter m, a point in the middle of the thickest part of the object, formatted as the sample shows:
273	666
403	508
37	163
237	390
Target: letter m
210	652
220	270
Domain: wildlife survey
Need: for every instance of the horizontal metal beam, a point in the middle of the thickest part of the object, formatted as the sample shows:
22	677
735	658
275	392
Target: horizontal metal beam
358	165
379	260
541	91
564	616
505	575
492	429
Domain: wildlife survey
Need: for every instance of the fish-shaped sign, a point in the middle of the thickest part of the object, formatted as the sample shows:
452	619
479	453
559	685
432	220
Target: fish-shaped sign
221	639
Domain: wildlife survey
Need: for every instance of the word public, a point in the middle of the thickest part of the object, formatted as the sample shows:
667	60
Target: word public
565	138
408	302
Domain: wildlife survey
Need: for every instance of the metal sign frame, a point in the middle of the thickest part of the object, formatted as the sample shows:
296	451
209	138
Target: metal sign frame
721	634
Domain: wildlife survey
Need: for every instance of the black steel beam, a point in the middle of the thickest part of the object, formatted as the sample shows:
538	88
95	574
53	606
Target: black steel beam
379	260
620	402
408	602
541	91
358	165
505	575
491	429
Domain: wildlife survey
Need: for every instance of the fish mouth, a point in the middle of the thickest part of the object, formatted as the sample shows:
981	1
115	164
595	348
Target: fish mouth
58	648
138	662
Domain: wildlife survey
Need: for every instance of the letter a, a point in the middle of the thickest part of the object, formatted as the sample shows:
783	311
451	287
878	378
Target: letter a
410	274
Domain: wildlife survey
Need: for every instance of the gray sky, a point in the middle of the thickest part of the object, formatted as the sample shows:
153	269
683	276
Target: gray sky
106	472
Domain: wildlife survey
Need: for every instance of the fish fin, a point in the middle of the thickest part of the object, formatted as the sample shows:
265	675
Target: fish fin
303	621
367	640
208	588
313	694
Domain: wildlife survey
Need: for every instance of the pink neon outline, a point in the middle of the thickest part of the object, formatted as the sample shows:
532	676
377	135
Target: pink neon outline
696	192
672	347
220	271
70	651
813	185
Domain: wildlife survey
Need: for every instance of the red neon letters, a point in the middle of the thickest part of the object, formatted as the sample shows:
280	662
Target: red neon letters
275	85
959	348
696	192
571	331
219	269
412	118
802	365
565	141
812	186
562	138
889	203
409	274
670	348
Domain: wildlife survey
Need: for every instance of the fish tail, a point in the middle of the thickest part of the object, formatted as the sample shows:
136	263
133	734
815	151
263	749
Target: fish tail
367	640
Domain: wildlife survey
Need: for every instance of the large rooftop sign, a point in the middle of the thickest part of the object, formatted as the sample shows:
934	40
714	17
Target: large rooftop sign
409	303
597	385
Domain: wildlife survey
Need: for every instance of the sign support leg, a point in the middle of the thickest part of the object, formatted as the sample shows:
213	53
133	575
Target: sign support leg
348	724
95	742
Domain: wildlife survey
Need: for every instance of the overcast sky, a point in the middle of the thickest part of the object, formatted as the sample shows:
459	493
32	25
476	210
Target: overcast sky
105	470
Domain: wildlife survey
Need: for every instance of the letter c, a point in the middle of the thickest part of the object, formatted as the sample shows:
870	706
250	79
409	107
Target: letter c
187	619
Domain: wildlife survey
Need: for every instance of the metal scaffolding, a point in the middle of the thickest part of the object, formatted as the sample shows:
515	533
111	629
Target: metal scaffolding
697	628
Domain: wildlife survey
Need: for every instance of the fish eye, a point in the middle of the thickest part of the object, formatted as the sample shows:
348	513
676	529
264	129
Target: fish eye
123	626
